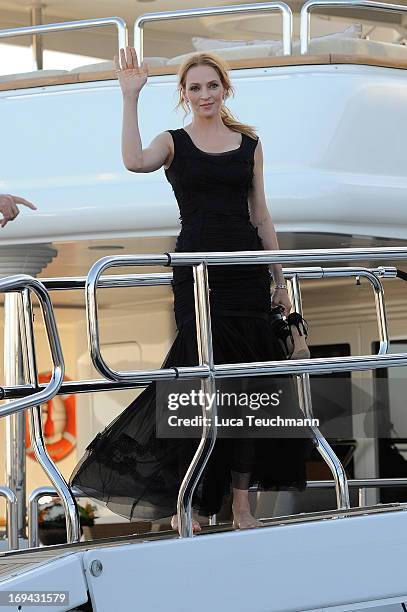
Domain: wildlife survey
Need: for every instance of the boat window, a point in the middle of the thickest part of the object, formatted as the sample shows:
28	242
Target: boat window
331	395
390	391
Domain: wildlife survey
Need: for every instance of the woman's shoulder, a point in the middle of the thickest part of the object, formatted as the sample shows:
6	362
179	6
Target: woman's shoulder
173	132
252	141
175	144
254	137
250	136
174	136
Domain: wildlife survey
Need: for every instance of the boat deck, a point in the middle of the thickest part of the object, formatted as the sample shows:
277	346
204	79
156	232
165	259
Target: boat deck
17	562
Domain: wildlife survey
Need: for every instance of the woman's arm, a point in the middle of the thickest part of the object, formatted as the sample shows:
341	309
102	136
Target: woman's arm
260	218
132	79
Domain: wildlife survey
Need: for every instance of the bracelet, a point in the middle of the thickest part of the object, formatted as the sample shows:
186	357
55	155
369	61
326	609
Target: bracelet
280	286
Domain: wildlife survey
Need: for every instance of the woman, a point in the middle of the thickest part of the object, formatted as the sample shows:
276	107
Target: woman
215	168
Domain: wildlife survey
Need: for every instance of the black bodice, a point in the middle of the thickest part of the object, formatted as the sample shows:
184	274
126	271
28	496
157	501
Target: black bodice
207	184
212	192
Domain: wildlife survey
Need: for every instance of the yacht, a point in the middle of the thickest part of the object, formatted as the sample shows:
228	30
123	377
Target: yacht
87	306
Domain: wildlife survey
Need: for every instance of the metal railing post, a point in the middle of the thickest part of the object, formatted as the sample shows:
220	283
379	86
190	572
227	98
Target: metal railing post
305	19
33	539
20	282
209	411
118	22
36	433
206	371
12	517
258	7
15	458
323	447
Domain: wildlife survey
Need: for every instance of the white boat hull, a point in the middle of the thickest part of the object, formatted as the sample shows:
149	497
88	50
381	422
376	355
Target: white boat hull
333	139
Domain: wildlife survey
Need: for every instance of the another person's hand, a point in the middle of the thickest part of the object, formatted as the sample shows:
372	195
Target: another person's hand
280	298
131	76
9	207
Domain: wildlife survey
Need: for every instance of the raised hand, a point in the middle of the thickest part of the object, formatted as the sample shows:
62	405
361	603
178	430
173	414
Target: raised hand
131	76
9	208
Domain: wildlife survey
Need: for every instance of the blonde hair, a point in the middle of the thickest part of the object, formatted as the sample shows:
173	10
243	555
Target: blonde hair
216	62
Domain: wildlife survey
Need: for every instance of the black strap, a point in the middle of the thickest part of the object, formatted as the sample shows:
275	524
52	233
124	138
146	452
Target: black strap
401	274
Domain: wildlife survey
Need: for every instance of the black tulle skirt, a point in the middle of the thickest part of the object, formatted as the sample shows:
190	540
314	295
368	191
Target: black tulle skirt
136	473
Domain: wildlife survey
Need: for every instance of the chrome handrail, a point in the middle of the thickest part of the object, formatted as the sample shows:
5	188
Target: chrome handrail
122	32
305	18
68	283
322	445
208	437
208	371
378	289
244	257
19	283
372	275
33	509
217	10
303	381
36	432
266	257
162	279
358	363
92	314
12	518
360	483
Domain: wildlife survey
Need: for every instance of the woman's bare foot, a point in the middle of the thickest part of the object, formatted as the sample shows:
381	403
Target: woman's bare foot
196	526
242	516
243	519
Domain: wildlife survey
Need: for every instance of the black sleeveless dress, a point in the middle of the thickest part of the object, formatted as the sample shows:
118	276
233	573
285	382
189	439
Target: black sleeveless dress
134	472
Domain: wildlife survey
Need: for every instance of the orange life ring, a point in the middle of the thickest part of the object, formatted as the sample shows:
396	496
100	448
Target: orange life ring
61	448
